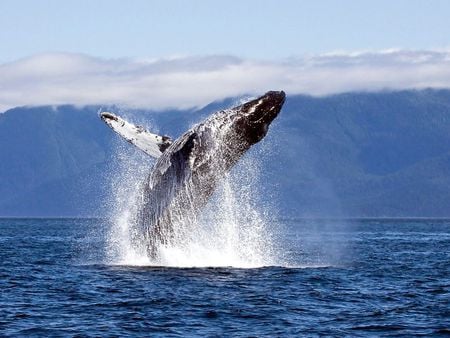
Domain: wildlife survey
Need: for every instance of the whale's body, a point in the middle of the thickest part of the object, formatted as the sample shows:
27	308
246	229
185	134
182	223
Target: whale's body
188	170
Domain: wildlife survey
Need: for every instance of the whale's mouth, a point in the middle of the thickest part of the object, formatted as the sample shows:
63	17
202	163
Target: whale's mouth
258	114
105	116
266	108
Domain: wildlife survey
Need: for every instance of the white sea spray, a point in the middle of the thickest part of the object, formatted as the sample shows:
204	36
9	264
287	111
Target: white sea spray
233	229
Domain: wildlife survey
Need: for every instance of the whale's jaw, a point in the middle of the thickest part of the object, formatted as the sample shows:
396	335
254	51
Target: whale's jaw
266	108
258	114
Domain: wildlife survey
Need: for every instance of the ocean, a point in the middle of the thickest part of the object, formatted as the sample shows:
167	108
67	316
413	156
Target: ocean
372	277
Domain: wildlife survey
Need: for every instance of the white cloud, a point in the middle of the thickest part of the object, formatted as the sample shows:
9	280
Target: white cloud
60	78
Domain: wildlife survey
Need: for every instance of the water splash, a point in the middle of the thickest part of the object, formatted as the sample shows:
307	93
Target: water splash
232	230
126	177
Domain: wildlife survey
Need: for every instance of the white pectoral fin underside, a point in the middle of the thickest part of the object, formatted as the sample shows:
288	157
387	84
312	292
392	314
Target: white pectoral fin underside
152	144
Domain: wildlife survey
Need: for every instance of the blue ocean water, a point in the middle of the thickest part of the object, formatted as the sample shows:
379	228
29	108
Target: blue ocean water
344	278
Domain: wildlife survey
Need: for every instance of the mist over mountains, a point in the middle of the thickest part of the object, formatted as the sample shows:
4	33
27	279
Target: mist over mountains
383	154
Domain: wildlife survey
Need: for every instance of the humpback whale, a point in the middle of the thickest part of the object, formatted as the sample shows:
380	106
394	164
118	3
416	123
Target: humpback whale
188	169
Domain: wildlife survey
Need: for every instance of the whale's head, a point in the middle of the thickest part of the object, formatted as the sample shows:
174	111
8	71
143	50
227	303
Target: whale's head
254	117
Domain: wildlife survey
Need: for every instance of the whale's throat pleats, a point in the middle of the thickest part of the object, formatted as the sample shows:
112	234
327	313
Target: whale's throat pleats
152	144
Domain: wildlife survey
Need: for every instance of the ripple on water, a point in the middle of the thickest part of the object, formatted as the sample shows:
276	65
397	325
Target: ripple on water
378	286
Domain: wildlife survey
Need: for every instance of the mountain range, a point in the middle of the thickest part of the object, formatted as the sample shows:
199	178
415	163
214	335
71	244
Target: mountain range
381	154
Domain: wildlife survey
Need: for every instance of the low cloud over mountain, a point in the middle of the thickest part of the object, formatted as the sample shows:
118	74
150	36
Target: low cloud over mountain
183	82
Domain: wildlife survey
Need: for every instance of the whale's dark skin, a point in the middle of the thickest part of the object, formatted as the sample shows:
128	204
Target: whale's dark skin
188	171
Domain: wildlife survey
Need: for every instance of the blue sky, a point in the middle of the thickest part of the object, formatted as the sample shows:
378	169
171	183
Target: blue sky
249	29
180	54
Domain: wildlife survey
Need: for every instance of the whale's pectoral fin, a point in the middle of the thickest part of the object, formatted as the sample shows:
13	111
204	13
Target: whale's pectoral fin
152	144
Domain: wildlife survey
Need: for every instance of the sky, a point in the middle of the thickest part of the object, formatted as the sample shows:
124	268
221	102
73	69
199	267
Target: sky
49	48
